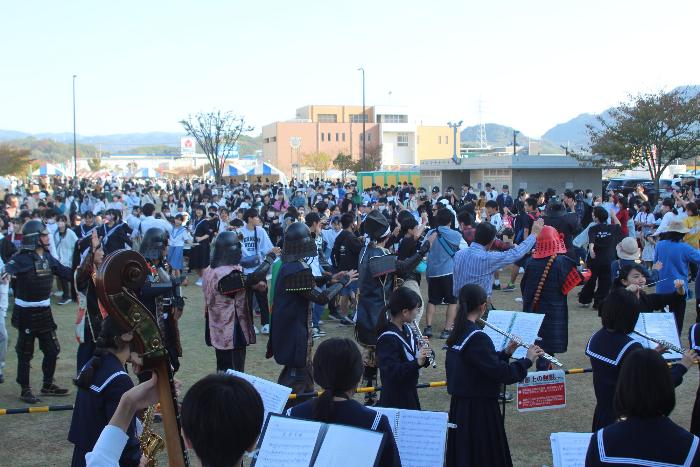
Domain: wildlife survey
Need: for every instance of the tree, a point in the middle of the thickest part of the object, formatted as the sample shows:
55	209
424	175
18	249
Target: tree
13	160
95	164
344	163
373	160
650	131
318	161
216	133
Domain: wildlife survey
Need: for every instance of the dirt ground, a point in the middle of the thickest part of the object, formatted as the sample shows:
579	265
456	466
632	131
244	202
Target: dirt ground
41	439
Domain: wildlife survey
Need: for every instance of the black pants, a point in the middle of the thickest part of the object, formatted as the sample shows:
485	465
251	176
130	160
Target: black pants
261	298
299	379
230	359
601	275
48	343
66	287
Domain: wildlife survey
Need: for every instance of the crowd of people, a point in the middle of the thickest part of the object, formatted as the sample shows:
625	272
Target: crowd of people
288	252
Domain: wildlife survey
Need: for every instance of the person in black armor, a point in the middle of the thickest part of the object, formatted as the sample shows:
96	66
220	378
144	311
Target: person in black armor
33	267
295	289
161	293
379	273
228	315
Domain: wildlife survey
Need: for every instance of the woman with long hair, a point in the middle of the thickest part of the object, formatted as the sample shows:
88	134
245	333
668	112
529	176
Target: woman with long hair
475	376
337	368
201	232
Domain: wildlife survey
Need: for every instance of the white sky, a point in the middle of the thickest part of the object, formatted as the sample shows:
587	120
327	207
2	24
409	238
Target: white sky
144	65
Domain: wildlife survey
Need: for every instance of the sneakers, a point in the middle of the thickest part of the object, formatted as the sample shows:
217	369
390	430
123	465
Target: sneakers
445	334
584	305
53	390
2	378
28	396
370	399
345	321
320	322
317	333
265	329
198	283
65	301
334	316
257	331
496	287
428	331
509	288
58	293
521	270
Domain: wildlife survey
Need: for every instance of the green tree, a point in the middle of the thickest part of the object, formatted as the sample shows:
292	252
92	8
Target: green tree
216	133
650	131
318	161
13	160
95	164
343	162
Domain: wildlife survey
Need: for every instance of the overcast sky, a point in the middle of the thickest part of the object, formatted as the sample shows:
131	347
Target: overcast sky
144	65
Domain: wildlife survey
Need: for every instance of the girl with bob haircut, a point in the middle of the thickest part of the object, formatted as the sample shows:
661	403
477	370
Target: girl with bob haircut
475	375
644	398
338	368
608	348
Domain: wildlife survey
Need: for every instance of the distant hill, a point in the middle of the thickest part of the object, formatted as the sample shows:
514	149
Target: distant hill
501	135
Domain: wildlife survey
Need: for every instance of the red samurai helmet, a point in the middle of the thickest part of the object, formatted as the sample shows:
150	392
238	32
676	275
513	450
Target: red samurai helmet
549	242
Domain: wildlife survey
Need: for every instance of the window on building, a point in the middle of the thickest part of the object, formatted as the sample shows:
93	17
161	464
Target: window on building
358	118
329	136
447	140
439	139
323	136
417	139
343	137
402	139
392	118
327	118
267	140
369	136
273	139
336	137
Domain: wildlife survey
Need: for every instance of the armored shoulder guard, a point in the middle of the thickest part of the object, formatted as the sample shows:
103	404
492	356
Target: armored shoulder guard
382	265
300	281
232	283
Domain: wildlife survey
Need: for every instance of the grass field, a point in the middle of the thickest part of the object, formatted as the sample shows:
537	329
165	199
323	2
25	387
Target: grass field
40	439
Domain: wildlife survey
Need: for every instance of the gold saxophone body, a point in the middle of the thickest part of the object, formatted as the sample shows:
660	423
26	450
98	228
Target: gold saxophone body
151	443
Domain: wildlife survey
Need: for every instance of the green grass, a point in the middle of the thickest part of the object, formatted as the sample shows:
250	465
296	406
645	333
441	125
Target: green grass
41	439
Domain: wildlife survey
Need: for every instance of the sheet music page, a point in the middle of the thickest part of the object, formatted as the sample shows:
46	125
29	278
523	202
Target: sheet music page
421	438
569	449
274	396
289	442
641	327
527	327
345	446
502	320
663	326
392	415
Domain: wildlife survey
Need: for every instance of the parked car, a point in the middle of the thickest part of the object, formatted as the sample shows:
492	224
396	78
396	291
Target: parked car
626	185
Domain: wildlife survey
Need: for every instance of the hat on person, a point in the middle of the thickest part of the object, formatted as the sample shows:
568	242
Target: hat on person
549	242
375	226
677	225
628	249
436	189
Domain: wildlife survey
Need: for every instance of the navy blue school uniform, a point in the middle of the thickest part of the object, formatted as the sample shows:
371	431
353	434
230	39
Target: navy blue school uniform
352	413
607	350
694	338
398	368
475	375
94	408
654	442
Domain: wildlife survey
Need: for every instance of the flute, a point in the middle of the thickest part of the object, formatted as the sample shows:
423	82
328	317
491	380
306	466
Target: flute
520	342
422	343
662	342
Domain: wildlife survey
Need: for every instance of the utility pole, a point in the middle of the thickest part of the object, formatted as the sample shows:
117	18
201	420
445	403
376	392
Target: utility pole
75	139
455	126
364	119
515	134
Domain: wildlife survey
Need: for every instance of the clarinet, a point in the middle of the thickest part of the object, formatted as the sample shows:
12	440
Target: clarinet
520	342
422	343
666	344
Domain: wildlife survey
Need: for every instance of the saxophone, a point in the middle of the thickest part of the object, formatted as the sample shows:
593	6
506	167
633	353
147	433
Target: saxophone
151	443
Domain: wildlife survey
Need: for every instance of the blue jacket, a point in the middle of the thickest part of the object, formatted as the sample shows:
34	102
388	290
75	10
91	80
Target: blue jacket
441	256
675	257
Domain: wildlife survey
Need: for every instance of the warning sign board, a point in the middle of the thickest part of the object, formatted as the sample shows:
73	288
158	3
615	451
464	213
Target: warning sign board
542	390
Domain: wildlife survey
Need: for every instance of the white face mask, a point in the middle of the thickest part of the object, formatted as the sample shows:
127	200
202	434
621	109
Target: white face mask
589	195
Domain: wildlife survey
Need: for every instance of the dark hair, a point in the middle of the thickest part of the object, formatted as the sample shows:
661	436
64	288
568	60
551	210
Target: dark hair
620	310
491	204
109	338
569	194
672	236
250	212
625	271
337	367
471	296
692	207
346	220
312	218
532	202
148	209
408	224
600	214
465	218
644	387
485	233
222	416
443	216
623	201
401	299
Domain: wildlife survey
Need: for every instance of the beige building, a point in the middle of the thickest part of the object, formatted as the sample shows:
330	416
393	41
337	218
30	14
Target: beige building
332	129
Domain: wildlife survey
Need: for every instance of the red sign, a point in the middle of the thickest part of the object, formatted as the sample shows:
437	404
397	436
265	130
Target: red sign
542	390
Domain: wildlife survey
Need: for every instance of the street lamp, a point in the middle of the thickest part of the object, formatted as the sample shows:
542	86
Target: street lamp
454	127
364	117
75	139
515	133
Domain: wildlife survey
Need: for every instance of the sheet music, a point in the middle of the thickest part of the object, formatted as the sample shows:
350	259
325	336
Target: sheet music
527	327
641	327
289	442
569	449
663	326
421	438
345	446
392	415
274	396
502	320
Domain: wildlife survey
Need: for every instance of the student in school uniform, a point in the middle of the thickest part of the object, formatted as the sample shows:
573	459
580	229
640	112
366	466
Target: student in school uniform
608	348
176	245
399	358
694	338
101	383
475	376
645	436
337	368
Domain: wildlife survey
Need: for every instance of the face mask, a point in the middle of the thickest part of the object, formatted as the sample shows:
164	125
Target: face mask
51	221
589	195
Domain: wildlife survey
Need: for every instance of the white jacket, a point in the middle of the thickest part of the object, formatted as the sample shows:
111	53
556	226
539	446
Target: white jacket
64	246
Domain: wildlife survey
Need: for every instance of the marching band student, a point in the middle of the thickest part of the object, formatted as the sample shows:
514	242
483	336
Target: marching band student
398	357
475	375
337	368
101	383
644	398
221	414
633	277
694	337
609	346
